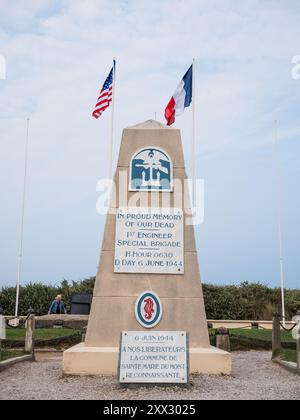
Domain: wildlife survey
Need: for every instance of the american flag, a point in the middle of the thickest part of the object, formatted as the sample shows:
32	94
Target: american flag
105	95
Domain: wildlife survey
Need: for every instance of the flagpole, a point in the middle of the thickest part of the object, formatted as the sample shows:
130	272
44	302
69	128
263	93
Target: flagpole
112	123
22	221
193	135
279	198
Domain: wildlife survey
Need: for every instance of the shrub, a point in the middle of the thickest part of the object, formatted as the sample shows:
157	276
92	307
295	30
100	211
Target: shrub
252	301
39	296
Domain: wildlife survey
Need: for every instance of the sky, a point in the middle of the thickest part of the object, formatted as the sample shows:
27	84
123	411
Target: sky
57	55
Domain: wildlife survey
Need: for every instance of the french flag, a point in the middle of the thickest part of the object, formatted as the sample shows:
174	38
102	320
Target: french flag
182	97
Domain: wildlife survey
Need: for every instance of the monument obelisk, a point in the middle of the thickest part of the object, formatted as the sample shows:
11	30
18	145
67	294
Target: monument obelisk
142	253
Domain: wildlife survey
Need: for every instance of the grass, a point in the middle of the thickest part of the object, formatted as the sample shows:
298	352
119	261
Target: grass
261	334
288	355
18	334
10	354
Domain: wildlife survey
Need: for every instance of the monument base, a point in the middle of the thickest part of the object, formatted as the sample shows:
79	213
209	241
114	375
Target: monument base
83	360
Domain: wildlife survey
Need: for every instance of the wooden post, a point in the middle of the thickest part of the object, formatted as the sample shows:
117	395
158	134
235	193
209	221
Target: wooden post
29	340
223	339
2	333
276	339
83	334
298	353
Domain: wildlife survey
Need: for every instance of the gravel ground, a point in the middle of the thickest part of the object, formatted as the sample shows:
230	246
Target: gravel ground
254	377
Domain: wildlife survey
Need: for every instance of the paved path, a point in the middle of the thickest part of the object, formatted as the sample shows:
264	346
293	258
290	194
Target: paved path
254	377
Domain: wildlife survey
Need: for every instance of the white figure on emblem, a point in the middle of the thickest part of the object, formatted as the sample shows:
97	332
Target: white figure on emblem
155	167
151	169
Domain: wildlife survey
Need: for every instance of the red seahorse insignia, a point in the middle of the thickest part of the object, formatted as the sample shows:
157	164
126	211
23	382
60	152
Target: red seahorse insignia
149	308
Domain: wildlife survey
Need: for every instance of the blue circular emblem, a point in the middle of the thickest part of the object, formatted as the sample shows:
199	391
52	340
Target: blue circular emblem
148	309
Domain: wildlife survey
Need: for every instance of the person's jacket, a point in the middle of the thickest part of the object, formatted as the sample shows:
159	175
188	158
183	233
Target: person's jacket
54	305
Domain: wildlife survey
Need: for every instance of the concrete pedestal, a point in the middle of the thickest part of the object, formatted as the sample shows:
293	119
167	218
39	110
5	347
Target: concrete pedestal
83	360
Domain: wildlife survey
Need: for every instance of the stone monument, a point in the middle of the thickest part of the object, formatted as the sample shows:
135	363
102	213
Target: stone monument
148	275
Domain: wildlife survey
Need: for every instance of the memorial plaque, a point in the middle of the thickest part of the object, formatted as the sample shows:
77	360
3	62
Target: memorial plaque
149	240
2	328
296	319
154	357
151	169
296	330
